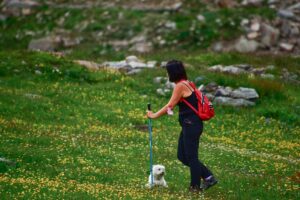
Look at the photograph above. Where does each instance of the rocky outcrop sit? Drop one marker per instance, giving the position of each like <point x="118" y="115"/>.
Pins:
<point x="19" y="7"/>
<point x="58" y="38"/>
<point x="219" y="95"/>
<point x="244" y="69"/>
<point x="228" y="96"/>
<point x="50" y="43"/>
<point x="279" y="35"/>
<point x="131" y="65"/>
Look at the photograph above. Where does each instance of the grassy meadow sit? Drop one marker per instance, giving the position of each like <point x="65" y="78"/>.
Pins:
<point x="77" y="134"/>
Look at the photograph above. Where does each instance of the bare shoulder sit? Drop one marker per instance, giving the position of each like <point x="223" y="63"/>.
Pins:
<point x="182" y="85"/>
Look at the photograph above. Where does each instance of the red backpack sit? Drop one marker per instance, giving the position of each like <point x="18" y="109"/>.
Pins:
<point x="205" y="108"/>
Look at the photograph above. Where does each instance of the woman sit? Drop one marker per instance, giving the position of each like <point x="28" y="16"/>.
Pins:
<point x="191" y="124"/>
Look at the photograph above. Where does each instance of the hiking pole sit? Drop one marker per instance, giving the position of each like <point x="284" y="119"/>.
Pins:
<point x="150" y="141"/>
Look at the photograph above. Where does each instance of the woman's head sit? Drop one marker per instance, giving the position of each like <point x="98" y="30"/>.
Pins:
<point x="176" y="71"/>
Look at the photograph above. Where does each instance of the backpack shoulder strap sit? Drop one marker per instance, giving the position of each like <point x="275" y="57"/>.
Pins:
<point x="188" y="86"/>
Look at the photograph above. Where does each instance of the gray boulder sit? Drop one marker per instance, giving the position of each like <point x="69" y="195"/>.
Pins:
<point x="270" y="35"/>
<point x="246" y="46"/>
<point x="216" y="68"/>
<point x="288" y="14"/>
<point x="50" y="43"/>
<point x="233" y="70"/>
<point x="223" y="91"/>
<point x="8" y="162"/>
<point x="88" y="64"/>
<point x="18" y="7"/>
<point x="227" y="101"/>
<point x="245" y="93"/>
<point x="160" y="79"/>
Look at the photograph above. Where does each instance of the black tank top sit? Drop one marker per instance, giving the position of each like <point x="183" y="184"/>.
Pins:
<point x="185" y="109"/>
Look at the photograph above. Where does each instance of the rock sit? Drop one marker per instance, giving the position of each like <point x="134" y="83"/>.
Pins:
<point x="159" y="79"/>
<point x="270" y="67"/>
<point x="170" y="85"/>
<point x="170" y="25"/>
<point x="246" y="46"/>
<point x="227" y="101"/>
<point x="286" y="46"/>
<point x="70" y="42"/>
<point x="160" y="92"/>
<point x="32" y="96"/>
<point x="137" y="65"/>
<point x="270" y="35"/>
<point x="9" y="162"/>
<point x="295" y="7"/>
<point x="200" y="18"/>
<point x="199" y="79"/>
<point x="19" y="7"/>
<point x="246" y="67"/>
<point x="20" y="3"/>
<point x="245" y="22"/>
<point x="225" y="3"/>
<point x="140" y="44"/>
<point x="50" y="43"/>
<point x="163" y="92"/>
<point x="267" y="76"/>
<point x="221" y="91"/>
<point x="142" y="47"/>
<point x="255" y="26"/>
<point x="295" y="32"/>
<point x="131" y="58"/>
<point x="285" y="28"/>
<point x="166" y="90"/>
<point x="252" y="35"/>
<point x="217" y="47"/>
<point x="130" y="65"/>
<point x="151" y="64"/>
<point x="210" y="96"/>
<point x="163" y="64"/>
<point x="116" y="64"/>
<point x="252" y="2"/>
<point x="245" y="93"/>
<point x="286" y="14"/>
<point x="134" y="71"/>
<point x="211" y="87"/>
<point x="88" y="64"/>
<point x="258" y="71"/>
<point x="164" y="6"/>
<point x="233" y="70"/>
<point x="119" y="44"/>
<point x="273" y="1"/>
<point x="176" y="6"/>
<point x="38" y="72"/>
<point x="216" y="68"/>
<point x="289" y="76"/>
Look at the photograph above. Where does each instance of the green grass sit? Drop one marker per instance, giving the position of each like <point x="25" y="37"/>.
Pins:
<point x="78" y="138"/>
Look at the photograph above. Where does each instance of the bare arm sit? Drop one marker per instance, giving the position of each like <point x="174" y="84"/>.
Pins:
<point x="176" y="95"/>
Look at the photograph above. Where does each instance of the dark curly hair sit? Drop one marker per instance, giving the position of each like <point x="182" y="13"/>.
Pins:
<point x="176" y="71"/>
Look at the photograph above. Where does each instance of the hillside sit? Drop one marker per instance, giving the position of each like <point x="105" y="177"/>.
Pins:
<point x="76" y="77"/>
<point x="106" y="28"/>
<point x="67" y="132"/>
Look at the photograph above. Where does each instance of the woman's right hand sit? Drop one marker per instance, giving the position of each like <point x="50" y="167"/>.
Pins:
<point x="150" y="114"/>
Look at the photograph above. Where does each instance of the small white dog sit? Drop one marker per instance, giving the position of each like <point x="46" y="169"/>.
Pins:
<point x="158" y="176"/>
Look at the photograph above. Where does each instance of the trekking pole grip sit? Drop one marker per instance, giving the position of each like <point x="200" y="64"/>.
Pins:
<point x="149" y="106"/>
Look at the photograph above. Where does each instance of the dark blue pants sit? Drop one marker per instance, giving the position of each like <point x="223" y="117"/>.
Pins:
<point x="188" y="146"/>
